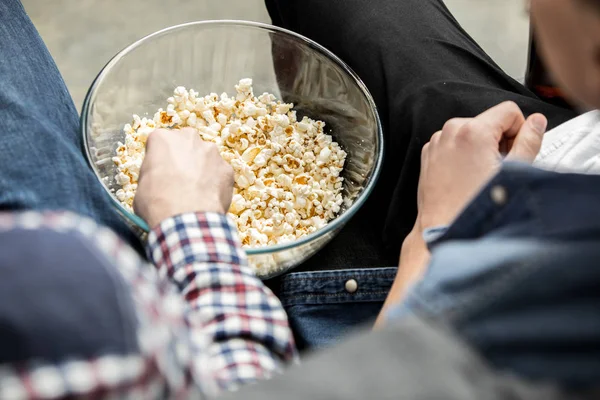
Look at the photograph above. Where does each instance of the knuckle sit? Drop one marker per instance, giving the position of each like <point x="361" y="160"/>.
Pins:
<point x="212" y="148"/>
<point x="425" y="151"/>
<point x="469" y="130"/>
<point x="155" y="135"/>
<point x="511" y="106"/>
<point x="225" y="166"/>
<point x="228" y="173"/>
<point x="205" y="147"/>
<point x="465" y="131"/>
<point x="161" y="132"/>
<point x="451" y="125"/>
<point x="189" y="131"/>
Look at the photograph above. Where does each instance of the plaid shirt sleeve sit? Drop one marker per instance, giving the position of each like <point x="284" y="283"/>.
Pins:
<point x="205" y="323"/>
<point x="242" y="328"/>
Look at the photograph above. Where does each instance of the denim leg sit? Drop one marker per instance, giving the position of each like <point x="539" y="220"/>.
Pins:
<point x="42" y="165"/>
<point x="324" y="307"/>
<point x="69" y="301"/>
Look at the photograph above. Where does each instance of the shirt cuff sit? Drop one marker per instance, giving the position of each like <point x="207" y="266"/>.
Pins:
<point x="195" y="238"/>
<point x="432" y="235"/>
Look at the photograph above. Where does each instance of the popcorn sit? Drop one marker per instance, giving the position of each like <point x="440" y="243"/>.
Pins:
<point x="287" y="172"/>
<point x="324" y="155"/>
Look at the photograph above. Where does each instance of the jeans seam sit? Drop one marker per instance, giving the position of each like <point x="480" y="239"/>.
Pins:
<point x="369" y="280"/>
<point x="312" y="296"/>
<point x="321" y="277"/>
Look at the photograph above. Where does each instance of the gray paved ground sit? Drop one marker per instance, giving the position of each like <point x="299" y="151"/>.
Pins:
<point x="83" y="35"/>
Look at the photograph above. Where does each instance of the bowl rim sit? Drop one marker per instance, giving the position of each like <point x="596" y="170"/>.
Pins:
<point x="337" y="222"/>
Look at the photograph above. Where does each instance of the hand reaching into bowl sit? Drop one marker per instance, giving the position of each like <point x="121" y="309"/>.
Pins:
<point x="181" y="173"/>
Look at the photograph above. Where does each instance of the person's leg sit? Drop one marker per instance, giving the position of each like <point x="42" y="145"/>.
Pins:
<point x="422" y="69"/>
<point x="65" y="299"/>
<point x="41" y="160"/>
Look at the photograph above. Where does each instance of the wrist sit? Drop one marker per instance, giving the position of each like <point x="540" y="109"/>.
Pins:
<point x="157" y="216"/>
<point x="417" y="231"/>
<point x="414" y="242"/>
<point x="413" y="261"/>
<point x="427" y="222"/>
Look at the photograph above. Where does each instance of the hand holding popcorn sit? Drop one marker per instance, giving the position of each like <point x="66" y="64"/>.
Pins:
<point x="181" y="173"/>
<point x="287" y="172"/>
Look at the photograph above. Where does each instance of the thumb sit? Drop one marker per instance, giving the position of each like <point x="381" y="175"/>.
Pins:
<point x="528" y="141"/>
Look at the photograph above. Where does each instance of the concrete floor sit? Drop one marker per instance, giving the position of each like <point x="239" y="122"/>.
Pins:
<point x="83" y="35"/>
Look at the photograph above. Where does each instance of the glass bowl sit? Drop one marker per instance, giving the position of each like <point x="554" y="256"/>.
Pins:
<point x="212" y="56"/>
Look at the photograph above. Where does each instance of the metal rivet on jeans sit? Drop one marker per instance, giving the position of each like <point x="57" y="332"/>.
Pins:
<point x="499" y="195"/>
<point x="351" y="286"/>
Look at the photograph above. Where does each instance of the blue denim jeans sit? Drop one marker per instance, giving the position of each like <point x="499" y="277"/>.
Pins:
<point x="323" y="307"/>
<point x="42" y="165"/>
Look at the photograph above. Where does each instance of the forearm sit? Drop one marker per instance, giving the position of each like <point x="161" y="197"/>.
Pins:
<point x="238" y="327"/>
<point x="414" y="257"/>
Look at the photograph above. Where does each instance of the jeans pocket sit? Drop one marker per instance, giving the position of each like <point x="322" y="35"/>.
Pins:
<point x="325" y="306"/>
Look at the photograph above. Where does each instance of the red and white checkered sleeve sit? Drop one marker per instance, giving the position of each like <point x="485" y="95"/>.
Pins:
<point x="239" y="329"/>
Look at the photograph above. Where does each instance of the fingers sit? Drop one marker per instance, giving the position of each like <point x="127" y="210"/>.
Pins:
<point x="188" y="131"/>
<point x="425" y="154"/>
<point x="454" y="124"/>
<point x="435" y="138"/>
<point x="503" y="121"/>
<point x="154" y="136"/>
<point x="423" y="172"/>
<point x="528" y="142"/>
